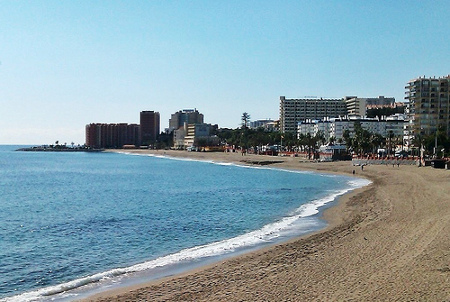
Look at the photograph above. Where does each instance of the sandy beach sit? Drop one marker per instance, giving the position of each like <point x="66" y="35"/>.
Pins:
<point x="389" y="241"/>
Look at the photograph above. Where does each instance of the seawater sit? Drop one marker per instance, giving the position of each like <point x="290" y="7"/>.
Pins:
<point x="76" y="223"/>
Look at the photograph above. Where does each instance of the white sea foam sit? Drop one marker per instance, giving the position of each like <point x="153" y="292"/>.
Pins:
<point x="313" y="207"/>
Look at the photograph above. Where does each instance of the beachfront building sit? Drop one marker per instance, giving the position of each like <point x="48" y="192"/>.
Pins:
<point x="100" y="135"/>
<point x="336" y="127"/>
<point x="118" y="135"/>
<point x="178" y="138"/>
<point x="188" y="116"/>
<point x="385" y="127"/>
<point x="358" y="106"/>
<point x="195" y="131"/>
<point x="293" y="111"/>
<point x="428" y="107"/>
<point x="149" y="122"/>
<point x="191" y="134"/>
<point x="372" y="125"/>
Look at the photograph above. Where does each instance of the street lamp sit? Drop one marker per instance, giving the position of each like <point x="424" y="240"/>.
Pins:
<point x="281" y="145"/>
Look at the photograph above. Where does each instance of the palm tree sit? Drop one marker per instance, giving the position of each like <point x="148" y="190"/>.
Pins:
<point x="332" y="140"/>
<point x="301" y="141"/>
<point x="347" y="139"/>
<point x="361" y="140"/>
<point x="390" y="137"/>
<point x="311" y="142"/>
<point x="376" y="140"/>
<point x="320" y="136"/>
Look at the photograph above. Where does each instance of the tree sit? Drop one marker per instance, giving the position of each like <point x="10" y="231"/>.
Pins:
<point x="165" y="140"/>
<point x="320" y="136"/>
<point x="361" y="140"/>
<point x="390" y="137"/>
<point x="376" y="140"/>
<point x="347" y="139"/>
<point x="245" y="119"/>
<point x="332" y="140"/>
<point x="311" y="142"/>
<point x="201" y="142"/>
<point x="429" y="142"/>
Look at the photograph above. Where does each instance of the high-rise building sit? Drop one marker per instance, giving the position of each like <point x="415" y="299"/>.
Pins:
<point x="149" y="122"/>
<point x="293" y="111"/>
<point x="188" y="116"/>
<point x="428" y="107"/>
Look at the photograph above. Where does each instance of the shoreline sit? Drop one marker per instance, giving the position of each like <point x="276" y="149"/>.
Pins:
<point x="313" y="266"/>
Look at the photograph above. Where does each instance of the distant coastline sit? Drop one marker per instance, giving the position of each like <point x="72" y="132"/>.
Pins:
<point x="60" y="148"/>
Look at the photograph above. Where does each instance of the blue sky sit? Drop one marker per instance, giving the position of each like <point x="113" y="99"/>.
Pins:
<point x="65" y="64"/>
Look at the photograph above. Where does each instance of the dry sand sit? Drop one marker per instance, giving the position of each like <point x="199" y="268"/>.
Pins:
<point x="387" y="242"/>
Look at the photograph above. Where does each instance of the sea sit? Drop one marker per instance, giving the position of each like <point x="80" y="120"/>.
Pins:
<point x="73" y="224"/>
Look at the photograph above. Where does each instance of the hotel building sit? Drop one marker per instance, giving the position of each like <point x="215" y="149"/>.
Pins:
<point x="293" y="111"/>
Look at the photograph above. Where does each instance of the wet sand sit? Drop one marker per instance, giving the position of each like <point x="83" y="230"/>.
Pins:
<point x="389" y="241"/>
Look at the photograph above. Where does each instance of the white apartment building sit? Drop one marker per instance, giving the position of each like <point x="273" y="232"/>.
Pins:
<point x="312" y="127"/>
<point x="337" y="126"/>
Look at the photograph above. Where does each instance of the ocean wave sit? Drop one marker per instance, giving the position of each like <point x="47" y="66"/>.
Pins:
<point x="313" y="207"/>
